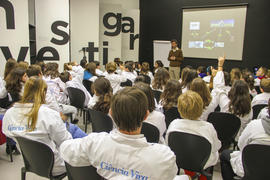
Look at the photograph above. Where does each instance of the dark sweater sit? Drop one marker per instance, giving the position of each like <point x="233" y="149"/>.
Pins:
<point x="178" y="58"/>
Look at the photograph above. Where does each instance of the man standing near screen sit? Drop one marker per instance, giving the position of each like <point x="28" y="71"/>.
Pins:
<point x="175" y="57"/>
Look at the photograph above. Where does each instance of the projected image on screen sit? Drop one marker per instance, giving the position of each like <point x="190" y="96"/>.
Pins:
<point x="212" y="32"/>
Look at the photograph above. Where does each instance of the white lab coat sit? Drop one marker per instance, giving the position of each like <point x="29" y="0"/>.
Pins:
<point x="121" y="156"/>
<point x="3" y="91"/>
<point x="254" y="133"/>
<point x="200" y="128"/>
<point x="262" y="98"/>
<point x="210" y="108"/>
<point x="79" y="70"/>
<point x="50" y="129"/>
<point x="93" y="101"/>
<point x="129" y="75"/>
<point x="115" y="80"/>
<point x="157" y="119"/>
<point x="99" y="72"/>
<point x="264" y="113"/>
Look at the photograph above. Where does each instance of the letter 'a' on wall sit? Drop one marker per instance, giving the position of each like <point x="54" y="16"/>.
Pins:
<point x="14" y="31"/>
<point x="52" y="31"/>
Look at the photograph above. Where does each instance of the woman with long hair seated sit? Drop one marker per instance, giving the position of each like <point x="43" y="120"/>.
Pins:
<point x="32" y="119"/>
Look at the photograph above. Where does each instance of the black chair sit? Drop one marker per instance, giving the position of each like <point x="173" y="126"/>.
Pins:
<point x="156" y="95"/>
<point x="257" y="109"/>
<point x="170" y="115"/>
<point x="38" y="158"/>
<point x="255" y="158"/>
<point x="101" y="122"/>
<point x="150" y="132"/>
<point x="126" y="83"/>
<point x="77" y="98"/>
<point x="82" y="173"/>
<point x="227" y="126"/>
<point x="192" y="152"/>
<point x="88" y="86"/>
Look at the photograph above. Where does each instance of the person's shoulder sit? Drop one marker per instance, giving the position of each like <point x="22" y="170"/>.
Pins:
<point x="160" y="150"/>
<point x="47" y="110"/>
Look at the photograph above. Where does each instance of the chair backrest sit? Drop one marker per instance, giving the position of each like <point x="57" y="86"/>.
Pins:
<point x="170" y="115"/>
<point x="257" y="109"/>
<point x="150" y="132"/>
<point x="157" y="95"/>
<point x="255" y="158"/>
<point x="76" y="97"/>
<point x="38" y="157"/>
<point x="82" y="173"/>
<point x="227" y="125"/>
<point x="88" y="85"/>
<point x="192" y="151"/>
<point x="101" y="122"/>
<point x="126" y="83"/>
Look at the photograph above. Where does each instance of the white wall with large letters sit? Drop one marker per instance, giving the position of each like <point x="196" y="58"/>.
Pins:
<point x="14" y="31"/>
<point x="52" y="31"/>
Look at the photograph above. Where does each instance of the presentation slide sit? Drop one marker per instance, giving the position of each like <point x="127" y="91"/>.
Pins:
<point x="213" y="32"/>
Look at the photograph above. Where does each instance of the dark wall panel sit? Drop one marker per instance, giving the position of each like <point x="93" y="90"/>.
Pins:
<point x="161" y="20"/>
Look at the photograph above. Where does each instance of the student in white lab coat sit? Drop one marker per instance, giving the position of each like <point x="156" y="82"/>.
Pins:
<point x="99" y="72"/>
<point x="145" y="70"/>
<point x="160" y="79"/>
<point x="265" y="95"/>
<point x="237" y="101"/>
<point x="155" y="118"/>
<point x="128" y="72"/>
<point x="123" y="153"/>
<point x="102" y="95"/>
<point x="189" y="76"/>
<point x="210" y="103"/>
<point x="256" y="132"/>
<point x="90" y="72"/>
<point x="75" y="83"/>
<point x="32" y="119"/>
<point x="190" y="107"/>
<point x="115" y="79"/>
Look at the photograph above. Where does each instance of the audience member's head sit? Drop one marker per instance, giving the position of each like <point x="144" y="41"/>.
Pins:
<point x="129" y="107"/>
<point x="51" y="70"/>
<point x="184" y="73"/>
<point x="265" y="85"/>
<point x="145" y="68"/>
<point x="161" y="78"/>
<point x="42" y="66"/>
<point x="97" y="64"/>
<point x="191" y="74"/>
<point x="235" y="74"/>
<point x="65" y="76"/>
<point x="158" y="64"/>
<point x="227" y="78"/>
<point x="34" y="70"/>
<point x="111" y="67"/>
<point x="199" y="86"/>
<point x="10" y="65"/>
<point x="102" y="88"/>
<point x="240" y="102"/>
<point x="23" y="64"/>
<point x="129" y="67"/>
<point x="190" y="105"/>
<point x="83" y="62"/>
<point x="149" y="94"/>
<point x="170" y="94"/>
<point x="91" y="68"/>
<point x="67" y="67"/>
<point x="143" y="78"/>
<point x="248" y="78"/>
<point x="34" y="92"/>
<point x="262" y="71"/>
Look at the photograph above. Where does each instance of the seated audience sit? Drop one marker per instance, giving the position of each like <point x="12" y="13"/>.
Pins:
<point x="145" y="70"/>
<point x="265" y="95"/>
<point x="90" y="72"/>
<point x="201" y="71"/>
<point x="160" y="79"/>
<point x="188" y="78"/>
<point x="123" y="153"/>
<point x="260" y="74"/>
<point x="128" y="72"/>
<point x="158" y="64"/>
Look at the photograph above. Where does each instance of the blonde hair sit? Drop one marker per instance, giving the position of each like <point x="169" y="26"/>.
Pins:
<point x="34" y="92"/>
<point x="190" y="105"/>
<point x="111" y="67"/>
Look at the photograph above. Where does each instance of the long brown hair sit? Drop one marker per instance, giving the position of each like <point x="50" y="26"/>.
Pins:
<point x="51" y="69"/>
<point x="103" y="89"/>
<point x="14" y="82"/>
<point x="10" y="65"/>
<point x="91" y="68"/>
<point x="145" y="68"/>
<point x="190" y="75"/>
<point x="149" y="94"/>
<point x="240" y="102"/>
<point x="199" y="86"/>
<point x="235" y="74"/>
<point x="34" y="92"/>
<point x="170" y="94"/>
<point x="160" y="79"/>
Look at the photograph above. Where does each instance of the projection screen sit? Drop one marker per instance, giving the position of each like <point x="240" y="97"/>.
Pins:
<point x="212" y="32"/>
